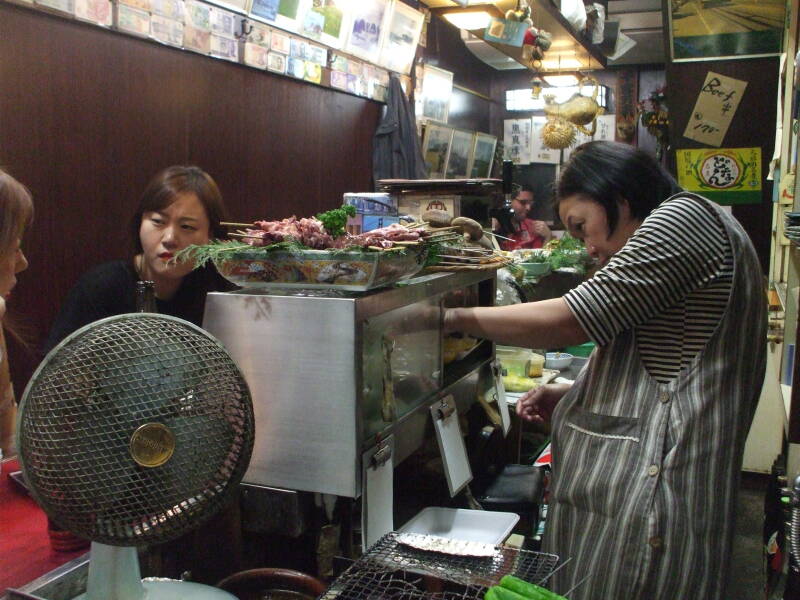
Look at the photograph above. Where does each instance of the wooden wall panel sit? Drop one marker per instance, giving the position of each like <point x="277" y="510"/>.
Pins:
<point x="87" y="116"/>
<point x="752" y="125"/>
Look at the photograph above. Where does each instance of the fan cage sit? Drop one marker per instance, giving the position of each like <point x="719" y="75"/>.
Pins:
<point x="90" y="395"/>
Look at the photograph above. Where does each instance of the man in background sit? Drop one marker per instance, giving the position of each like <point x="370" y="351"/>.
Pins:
<point x="524" y="232"/>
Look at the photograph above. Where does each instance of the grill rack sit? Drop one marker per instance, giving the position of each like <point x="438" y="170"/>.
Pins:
<point x="391" y="570"/>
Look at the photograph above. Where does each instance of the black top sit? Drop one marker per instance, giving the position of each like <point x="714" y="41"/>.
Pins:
<point x="110" y="289"/>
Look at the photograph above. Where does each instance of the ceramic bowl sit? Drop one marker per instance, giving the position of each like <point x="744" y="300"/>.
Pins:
<point x="557" y="360"/>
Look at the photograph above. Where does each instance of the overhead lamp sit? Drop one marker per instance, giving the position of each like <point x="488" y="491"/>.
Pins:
<point x="561" y="79"/>
<point x="469" y="18"/>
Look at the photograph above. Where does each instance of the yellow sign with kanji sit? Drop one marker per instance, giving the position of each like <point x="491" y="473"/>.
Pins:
<point x="725" y="175"/>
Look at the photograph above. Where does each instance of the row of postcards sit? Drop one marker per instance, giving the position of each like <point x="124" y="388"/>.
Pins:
<point x="219" y="33"/>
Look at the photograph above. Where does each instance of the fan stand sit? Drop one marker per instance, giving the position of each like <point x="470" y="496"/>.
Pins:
<point x="114" y="575"/>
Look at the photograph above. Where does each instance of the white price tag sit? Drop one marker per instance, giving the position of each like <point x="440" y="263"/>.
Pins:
<point x="500" y="397"/>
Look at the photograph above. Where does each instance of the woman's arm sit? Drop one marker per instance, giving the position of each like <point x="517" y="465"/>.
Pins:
<point x="545" y="324"/>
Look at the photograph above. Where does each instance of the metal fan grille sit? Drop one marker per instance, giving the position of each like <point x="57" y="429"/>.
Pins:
<point x="92" y="393"/>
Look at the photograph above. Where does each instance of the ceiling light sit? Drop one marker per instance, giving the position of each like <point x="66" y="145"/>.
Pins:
<point x="471" y="19"/>
<point x="561" y="80"/>
<point x="562" y="63"/>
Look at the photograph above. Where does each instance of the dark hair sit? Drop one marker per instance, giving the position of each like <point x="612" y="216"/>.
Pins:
<point x="608" y="172"/>
<point x="523" y="188"/>
<point x="165" y="188"/>
<point x="16" y="211"/>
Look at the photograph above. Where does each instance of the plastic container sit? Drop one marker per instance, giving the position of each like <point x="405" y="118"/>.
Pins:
<point x="488" y="527"/>
<point x="535" y="269"/>
<point x="515" y="361"/>
<point x="557" y="360"/>
<point x="535" y="365"/>
<point x="583" y="350"/>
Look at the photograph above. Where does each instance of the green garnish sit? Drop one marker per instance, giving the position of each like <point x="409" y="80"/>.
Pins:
<point x="334" y="221"/>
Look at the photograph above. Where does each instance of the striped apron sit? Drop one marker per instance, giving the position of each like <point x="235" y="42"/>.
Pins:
<point x="646" y="474"/>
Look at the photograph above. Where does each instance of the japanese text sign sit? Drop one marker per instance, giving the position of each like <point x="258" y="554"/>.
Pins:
<point x="713" y="112"/>
<point x="725" y="175"/>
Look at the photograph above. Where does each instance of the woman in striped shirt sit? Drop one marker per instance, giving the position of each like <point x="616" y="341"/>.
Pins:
<point x="648" y="441"/>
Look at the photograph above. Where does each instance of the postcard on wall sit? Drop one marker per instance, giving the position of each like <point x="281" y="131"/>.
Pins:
<point x="401" y="39"/>
<point x="289" y="12"/>
<point x="296" y="67"/>
<point x="317" y="54"/>
<point x="197" y="40"/>
<point x="437" y="88"/>
<point x="276" y="62"/>
<point x="725" y="175"/>
<point x="64" y="6"/>
<point x="99" y="12"/>
<point x="517" y="138"/>
<point x="259" y="34"/>
<point x="435" y="146"/>
<point x="255" y="55"/>
<point x="482" y="155"/>
<point x="457" y="164"/>
<point x="224" y="47"/>
<point x="280" y="42"/>
<point x="166" y="31"/>
<point x="140" y="4"/>
<point x="197" y="15"/>
<point x="352" y="83"/>
<point x="313" y="72"/>
<point x="298" y="48"/>
<point x="339" y="80"/>
<point x="133" y="20"/>
<point x="606" y="128"/>
<point x="327" y="22"/>
<point x="338" y="63"/>
<point x="223" y="23"/>
<point x="713" y="112"/>
<point x="366" y="29"/>
<point x="539" y="152"/>
<point x="171" y="9"/>
<point x="355" y="67"/>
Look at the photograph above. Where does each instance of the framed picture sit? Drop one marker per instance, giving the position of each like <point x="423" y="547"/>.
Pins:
<point x="482" y="155"/>
<point x="327" y="21"/>
<point x="435" y="147"/>
<point x="366" y="27"/>
<point x="714" y="29"/>
<point x="285" y="14"/>
<point x="457" y="163"/>
<point x="276" y="62"/>
<point x="403" y="29"/>
<point x="437" y="88"/>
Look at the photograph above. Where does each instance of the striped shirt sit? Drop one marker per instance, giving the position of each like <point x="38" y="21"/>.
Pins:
<point x="670" y="283"/>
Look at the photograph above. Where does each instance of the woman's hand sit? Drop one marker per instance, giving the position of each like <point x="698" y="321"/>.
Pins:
<point x="537" y="405"/>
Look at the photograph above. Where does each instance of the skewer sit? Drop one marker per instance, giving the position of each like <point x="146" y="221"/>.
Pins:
<point x="243" y="235"/>
<point x="237" y="224"/>
<point x="576" y="585"/>
<point x="551" y="573"/>
<point x="406" y="243"/>
<point x="497" y="235"/>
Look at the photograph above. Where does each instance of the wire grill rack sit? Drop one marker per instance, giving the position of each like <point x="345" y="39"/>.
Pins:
<point x="391" y="570"/>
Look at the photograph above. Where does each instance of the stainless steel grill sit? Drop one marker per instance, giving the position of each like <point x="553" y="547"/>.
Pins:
<point x="390" y="570"/>
<point x="100" y="385"/>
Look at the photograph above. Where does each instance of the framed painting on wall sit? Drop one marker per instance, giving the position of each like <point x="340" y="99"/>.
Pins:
<point x="367" y="23"/>
<point x="482" y="155"/>
<point x="435" y="147"/>
<point x="437" y="88"/>
<point x="403" y="29"/>
<point x="285" y="14"/>
<point x="714" y="29"/>
<point x="326" y="21"/>
<point x="458" y="157"/>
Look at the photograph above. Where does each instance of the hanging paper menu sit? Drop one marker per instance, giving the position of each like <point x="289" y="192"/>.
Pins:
<point x="713" y="112"/>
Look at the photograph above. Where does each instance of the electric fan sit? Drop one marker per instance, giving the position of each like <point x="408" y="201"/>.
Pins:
<point x="132" y="431"/>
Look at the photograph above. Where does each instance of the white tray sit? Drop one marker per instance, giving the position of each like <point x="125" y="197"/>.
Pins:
<point x="488" y="527"/>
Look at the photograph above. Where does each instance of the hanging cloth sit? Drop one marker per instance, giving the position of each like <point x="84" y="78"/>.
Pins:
<point x="396" y="150"/>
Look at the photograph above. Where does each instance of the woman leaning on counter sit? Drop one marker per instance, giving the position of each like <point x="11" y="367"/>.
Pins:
<point x="648" y="441"/>
<point x="180" y="206"/>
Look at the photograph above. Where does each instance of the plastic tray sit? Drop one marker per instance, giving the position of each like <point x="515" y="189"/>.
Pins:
<point x="488" y="527"/>
<point x="321" y="269"/>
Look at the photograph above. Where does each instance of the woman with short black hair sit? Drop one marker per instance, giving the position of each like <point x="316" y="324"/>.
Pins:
<point x="648" y="441"/>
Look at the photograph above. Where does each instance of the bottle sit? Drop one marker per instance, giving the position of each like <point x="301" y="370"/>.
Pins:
<point x="146" y="297"/>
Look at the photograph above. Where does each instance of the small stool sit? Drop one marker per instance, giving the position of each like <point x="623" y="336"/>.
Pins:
<point x="518" y="489"/>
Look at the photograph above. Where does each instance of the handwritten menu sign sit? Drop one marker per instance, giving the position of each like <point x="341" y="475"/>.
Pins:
<point x="713" y="112"/>
<point x="517" y="139"/>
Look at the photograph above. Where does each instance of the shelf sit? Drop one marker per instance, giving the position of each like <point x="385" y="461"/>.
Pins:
<point x="567" y="44"/>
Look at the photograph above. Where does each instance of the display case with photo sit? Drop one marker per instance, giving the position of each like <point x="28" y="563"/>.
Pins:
<point x="482" y="155"/>
<point x="368" y="18"/>
<point x="403" y="29"/>
<point x="435" y="147"/>
<point x="457" y="163"/>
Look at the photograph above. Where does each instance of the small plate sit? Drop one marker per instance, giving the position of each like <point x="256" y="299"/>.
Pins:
<point x="433" y="543"/>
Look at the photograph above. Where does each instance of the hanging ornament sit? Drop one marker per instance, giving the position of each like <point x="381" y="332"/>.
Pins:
<point x="579" y="110"/>
<point x="558" y="133"/>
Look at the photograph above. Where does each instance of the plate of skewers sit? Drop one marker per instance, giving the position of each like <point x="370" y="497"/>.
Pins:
<point x="318" y="252"/>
